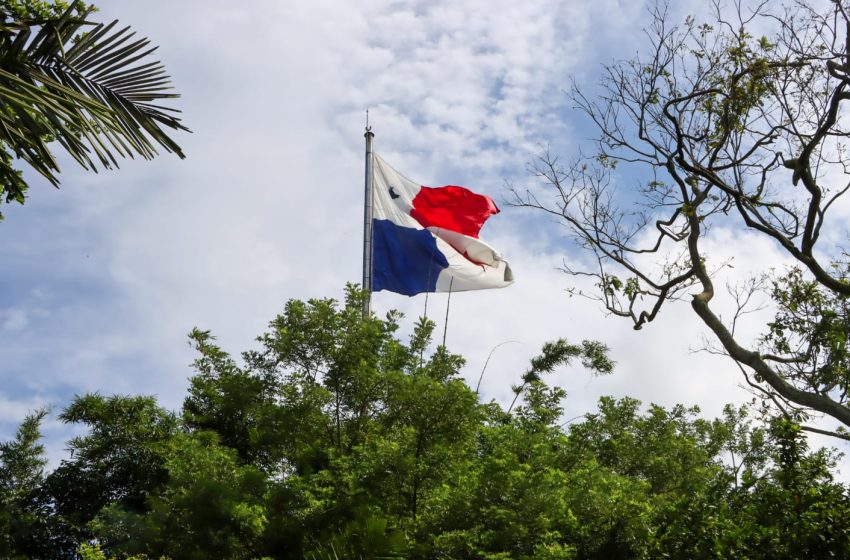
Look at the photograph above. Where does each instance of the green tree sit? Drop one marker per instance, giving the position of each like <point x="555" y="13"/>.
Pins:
<point x="118" y="463"/>
<point x="334" y="432"/>
<point x="92" y="88"/>
<point x="210" y="506"/>
<point x="335" y="439"/>
<point x="721" y="125"/>
<point x="22" y="463"/>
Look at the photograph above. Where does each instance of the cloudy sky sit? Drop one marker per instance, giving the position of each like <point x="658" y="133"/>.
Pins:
<point x="102" y="280"/>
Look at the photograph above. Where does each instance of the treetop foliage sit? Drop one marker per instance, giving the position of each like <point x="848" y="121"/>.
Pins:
<point x="335" y="439"/>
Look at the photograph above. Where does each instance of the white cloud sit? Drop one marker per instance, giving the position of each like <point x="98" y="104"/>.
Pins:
<point x="14" y="319"/>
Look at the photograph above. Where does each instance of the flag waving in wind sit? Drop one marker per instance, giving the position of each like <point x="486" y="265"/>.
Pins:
<point x="426" y="239"/>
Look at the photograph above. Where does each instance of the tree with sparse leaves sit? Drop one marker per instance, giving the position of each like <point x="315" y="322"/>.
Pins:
<point x="734" y="119"/>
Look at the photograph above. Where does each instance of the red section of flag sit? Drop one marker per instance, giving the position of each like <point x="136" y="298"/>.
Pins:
<point x="453" y="208"/>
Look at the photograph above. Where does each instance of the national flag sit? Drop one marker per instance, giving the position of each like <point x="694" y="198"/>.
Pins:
<point x="425" y="239"/>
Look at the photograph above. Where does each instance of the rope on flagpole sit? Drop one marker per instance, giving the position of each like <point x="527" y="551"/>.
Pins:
<point x="487" y="362"/>
<point x="448" y="303"/>
<point x="428" y="283"/>
<point x="425" y="311"/>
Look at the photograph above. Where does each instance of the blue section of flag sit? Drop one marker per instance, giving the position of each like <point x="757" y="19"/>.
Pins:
<point x="404" y="260"/>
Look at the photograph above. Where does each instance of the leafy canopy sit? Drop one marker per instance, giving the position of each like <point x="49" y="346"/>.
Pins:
<point x="336" y="439"/>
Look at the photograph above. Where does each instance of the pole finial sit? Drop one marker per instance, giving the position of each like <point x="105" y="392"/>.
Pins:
<point x="368" y="128"/>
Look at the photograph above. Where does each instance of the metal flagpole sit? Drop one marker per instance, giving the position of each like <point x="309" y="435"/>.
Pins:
<point x="367" y="223"/>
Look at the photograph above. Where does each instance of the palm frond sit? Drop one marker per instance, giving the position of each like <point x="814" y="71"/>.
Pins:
<point x="92" y="88"/>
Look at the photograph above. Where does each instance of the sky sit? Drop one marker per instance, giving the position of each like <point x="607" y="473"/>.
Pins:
<point x="103" y="279"/>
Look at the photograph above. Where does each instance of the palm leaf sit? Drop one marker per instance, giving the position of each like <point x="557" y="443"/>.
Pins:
<point x="92" y="88"/>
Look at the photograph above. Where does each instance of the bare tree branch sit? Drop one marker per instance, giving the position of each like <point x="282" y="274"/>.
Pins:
<point x="720" y="126"/>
